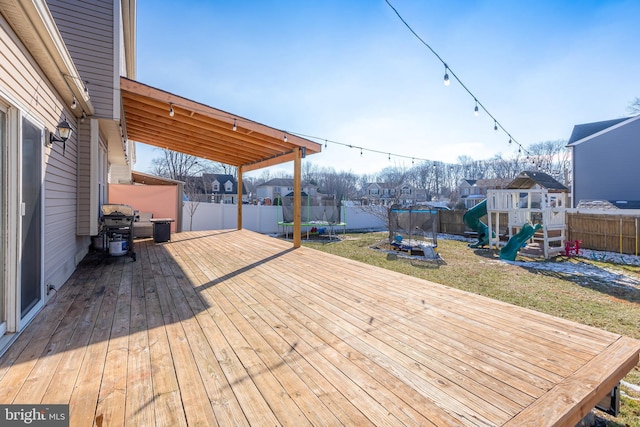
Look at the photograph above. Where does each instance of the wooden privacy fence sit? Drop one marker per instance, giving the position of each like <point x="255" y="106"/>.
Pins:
<point x="617" y="232"/>
<point x="451" y="222"/>
<point x="605" y="232"/>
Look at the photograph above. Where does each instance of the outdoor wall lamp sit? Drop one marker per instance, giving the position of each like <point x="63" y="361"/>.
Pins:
<point x="64" y="130"/>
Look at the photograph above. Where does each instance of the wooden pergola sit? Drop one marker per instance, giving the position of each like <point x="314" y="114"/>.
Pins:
<point x="165" y="120"/>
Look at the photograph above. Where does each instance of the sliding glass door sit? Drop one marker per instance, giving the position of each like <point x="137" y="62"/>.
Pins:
<point x="31" y="211"/>
<point x="3" y="222"/>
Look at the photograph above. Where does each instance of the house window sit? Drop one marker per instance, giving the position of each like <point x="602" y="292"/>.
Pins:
<point x="405" y="191"/>
<point x="216" y="186"/>
<point x="373" y="191"/>
<point x="228" y="186"/>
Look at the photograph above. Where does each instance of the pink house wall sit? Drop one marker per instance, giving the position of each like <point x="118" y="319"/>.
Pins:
<point x="161" y="200"/>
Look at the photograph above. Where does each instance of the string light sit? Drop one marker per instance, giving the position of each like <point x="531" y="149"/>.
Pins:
<point x="326" y="141"/>
<point x="495" y="126"/>
<point x="360" y="152"/>
<point x="171" y="112"/>
<point x="235" y="128"/>
<point x="476" y="112"/>
<point x="84" y="116"/>
<point x="74" y="104"/>
<point x="449" y="71"/>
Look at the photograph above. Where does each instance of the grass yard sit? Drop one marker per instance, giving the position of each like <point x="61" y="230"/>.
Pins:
<point x="560" y="288"/>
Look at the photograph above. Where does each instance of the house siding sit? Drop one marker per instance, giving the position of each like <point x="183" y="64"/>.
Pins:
<point x="87" y="28"/>
<point x="606" y="166"/>
<point x="87" y="206"/>
<point x="25" y="87"/>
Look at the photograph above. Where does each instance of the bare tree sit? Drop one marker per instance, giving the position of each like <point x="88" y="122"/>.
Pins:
<point x="340" y="185"/>
<point x="634" y="107"/>
<point x="552" y="157"/>
<point x="193" y="203"/>
<point x="472" y="169"/>
<point x="174" y="165"/>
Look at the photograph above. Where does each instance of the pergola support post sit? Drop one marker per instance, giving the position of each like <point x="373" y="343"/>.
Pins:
<point x="239" y="200"/>
<point x="297" y="197"/>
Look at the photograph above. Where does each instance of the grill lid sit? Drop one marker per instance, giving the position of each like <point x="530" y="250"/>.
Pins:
<point x="117" y="210"/>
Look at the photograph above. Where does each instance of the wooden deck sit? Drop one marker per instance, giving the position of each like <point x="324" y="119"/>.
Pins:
<point x="235" y="328"/>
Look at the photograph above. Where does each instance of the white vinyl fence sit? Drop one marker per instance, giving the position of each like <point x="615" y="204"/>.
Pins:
<point x="264" y="219"/>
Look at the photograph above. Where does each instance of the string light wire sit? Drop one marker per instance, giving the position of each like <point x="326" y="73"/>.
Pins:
<point x="449" y="71"/>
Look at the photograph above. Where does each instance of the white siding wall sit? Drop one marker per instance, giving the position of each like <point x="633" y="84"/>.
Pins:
<point x="24" y="86"/>
<point x="87" y="28"/>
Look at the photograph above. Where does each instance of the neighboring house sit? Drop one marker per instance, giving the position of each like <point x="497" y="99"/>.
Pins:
<point x="605" y="161"/>
<point x="268" y="192"/>
<point x="473" y="191"/>
<point x="224" y="188"/>
<point x="61" y="62"/>
<point x="214" y="188"/>
<point x="383" y="193"/>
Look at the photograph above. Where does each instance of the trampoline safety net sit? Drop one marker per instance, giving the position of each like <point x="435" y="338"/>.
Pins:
<point x="329" y="213"/>
<point x="414" y="223"/>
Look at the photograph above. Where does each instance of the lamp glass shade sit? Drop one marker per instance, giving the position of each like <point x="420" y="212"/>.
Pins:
<point x="64" y="130"/>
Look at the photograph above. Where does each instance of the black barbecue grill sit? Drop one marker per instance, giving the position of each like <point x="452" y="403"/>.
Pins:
<point x="117" y="228"/>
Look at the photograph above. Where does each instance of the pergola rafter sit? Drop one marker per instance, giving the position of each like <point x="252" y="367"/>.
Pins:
<point x="206" y="132"/>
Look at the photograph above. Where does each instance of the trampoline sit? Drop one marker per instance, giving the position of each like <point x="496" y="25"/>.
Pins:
<point x="318" y="217"/>
<point x="414" y="230"/>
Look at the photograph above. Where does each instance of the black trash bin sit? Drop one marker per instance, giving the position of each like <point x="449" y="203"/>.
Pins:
<point x="161" y="229"/>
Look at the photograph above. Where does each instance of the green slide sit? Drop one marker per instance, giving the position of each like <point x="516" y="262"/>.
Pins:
<point x="517" y="241"/>
<point x="472" y="220"/>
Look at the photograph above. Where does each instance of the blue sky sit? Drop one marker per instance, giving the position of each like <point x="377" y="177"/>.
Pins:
<point x="350" y="71"/>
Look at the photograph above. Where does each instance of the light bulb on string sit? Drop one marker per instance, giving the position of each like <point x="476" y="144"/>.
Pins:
<point x="360" y="152"/>
<point x="235" y="128"/>
<point x="476" y="111"/>
<point x="171" y="112"/>
<point x="74" y="104"/>
<point x="284" y="138"/>
<point x="325" y="143"/>
<point x="389" y="156"/>
<point x="447" y="82"/>
<point x="495" y="125"/>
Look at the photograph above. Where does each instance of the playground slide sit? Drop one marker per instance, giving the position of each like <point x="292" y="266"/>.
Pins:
<point x="472" y="220"/>
<point x="517" y="241"/>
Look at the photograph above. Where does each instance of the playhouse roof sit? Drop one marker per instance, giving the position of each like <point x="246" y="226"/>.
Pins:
<point x="529" y="179"/>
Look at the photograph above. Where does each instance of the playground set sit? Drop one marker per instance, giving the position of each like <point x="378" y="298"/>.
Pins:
<point x="413" y="230"/>
<point x="536" y="215"/>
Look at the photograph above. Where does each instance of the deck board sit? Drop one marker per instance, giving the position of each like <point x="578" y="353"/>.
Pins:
<point x="234" y="328"/>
